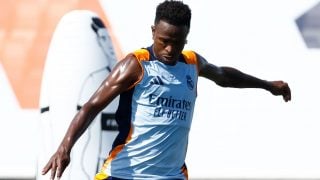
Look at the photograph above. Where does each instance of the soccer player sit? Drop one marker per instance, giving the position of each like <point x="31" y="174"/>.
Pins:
<point x="158" y="88"/>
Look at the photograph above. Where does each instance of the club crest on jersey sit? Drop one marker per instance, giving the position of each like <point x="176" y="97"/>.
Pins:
<point x="190" y="82"/>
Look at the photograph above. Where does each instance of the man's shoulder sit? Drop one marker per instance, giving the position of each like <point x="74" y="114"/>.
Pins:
<point x="190" y="56"/>
<point x="142" y="54"/>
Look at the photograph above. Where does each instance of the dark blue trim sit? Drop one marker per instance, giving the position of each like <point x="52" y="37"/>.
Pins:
<point x="123" y="117"/>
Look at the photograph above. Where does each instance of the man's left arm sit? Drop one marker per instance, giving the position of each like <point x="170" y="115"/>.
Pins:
<point x="231" y="77"/>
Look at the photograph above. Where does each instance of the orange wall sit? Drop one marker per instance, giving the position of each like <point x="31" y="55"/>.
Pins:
<point x="26" y="27"/>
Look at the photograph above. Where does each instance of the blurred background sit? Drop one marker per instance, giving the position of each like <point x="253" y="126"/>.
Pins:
<point x="236" y="133"/>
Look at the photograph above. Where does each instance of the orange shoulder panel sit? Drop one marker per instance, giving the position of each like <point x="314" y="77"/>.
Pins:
<point x="142" y="54"/>
<point x="190" y="57"/>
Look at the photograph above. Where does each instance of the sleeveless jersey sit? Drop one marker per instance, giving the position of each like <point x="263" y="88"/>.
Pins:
<point x="154" y="119"/>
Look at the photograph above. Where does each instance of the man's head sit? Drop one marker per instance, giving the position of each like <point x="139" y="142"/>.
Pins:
<point x="173" y="12"/>
<point x="170" y="30"/>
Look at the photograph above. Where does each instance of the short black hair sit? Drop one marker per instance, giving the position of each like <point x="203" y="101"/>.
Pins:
<point x="173" y="12"/>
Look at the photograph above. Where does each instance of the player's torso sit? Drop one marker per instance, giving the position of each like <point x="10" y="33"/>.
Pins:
<point x="161" y="112"/>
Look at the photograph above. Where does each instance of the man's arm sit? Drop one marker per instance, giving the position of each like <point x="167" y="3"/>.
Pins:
<point x="231" y="77"/>
<point x="124" y="75"/>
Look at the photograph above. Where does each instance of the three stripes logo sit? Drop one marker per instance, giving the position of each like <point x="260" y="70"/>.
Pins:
<point x="156" y="80"/>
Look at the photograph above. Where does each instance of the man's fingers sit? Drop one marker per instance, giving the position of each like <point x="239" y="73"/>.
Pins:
<point x="57" y="164"/>
<point x="53" y="170"/>
<point x="47" y="167"/>
<point x="283" y="89"/>
<point x="286" y="98"/>
<point x="60" y="169"/>
<point x="59" y="172"/>
<point x="286" y="93"/>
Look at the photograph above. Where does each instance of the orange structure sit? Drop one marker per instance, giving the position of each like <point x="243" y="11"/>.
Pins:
<point x="26" y="28"/>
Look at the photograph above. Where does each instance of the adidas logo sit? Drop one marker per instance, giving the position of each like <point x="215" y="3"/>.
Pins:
<point x="156" y="80"/>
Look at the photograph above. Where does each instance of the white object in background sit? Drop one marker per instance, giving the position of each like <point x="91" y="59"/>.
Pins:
<point x="80" y="57"/>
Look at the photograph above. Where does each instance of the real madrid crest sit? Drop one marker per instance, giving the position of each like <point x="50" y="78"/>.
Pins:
<point x="190" y="82"/>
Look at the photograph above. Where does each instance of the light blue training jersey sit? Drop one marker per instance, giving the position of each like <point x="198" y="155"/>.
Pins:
<point x="154" y="120"/>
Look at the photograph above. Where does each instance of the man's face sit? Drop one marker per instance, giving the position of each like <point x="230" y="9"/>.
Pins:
<point x="169" y="41"/>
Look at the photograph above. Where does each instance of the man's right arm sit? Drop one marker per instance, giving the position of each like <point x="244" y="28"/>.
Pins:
<point x="123" y="76"/>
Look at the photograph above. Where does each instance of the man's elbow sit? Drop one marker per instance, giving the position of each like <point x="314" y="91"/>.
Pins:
<point x="224" y="83"/>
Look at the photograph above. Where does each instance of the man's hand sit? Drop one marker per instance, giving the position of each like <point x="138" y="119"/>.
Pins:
<point x="57" y="163"/>
<point x="281" y="88"/>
